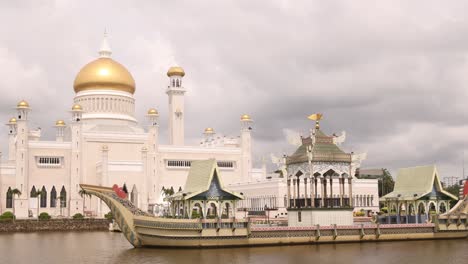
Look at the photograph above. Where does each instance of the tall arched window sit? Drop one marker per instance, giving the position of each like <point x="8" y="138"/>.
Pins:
<point x="33" y="193"/>
<point x="9" y="198"/>
<point x="53" y="197"/>
<point x="63" y="197"/>
<point x="43" y="197"/>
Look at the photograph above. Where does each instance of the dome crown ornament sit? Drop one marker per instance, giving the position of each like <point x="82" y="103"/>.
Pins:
<point x="12" y="121"/>
<point x="77" y="107"/>
<point x="245" y="117"/>
<point x="153" y="111"/>
<point x="209" y="130"/>
<point x="104" y="73"/>
<point x="60" y="123"/>
<point x="22" y="104"/>
<point x="176" y="71"/>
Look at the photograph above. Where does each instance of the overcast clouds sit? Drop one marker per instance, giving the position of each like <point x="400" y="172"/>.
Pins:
<point x="393" y="74"/>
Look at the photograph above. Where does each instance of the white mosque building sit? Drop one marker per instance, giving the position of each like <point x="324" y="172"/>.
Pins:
<point x="104" y="144"/>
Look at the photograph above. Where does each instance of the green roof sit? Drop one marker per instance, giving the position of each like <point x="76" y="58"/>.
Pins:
<point x="323" y="150"/>
<point x="201" y="175"/>
<point x="417" y="182"/>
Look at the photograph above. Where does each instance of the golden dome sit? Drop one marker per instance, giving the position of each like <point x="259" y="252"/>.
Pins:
<point x="60" y="123"/>
<point x="12" y="120"/>
<point x="245" y="118"/>
<point x="176" y="71"/>
<point x="22" y="104"/>
<point x="77" y="107"/>
<point x="103" y="74"/>
<point x="209" y="130"/>
<point x="152" y="111"/>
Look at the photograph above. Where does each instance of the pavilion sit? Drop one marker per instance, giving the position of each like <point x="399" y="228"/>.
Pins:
<point x="418" y="193"/>
<point x="204" y="194"/>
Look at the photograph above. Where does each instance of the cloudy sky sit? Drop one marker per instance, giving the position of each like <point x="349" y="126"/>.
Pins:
<point x="392" y="74"/>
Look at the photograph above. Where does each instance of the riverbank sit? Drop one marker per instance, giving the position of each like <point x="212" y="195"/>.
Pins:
<point x="32" y="225"/>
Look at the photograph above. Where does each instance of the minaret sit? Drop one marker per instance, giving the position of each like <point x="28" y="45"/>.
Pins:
<point x="246" y="147"/>
<point x="209" y="136"/>
<point x="60" y="128"/>
<point x="76" y="201"/>
<point x="22" y="159"/>
<point x="12" y="131"/>
<point x="151" y="180"/>
<point x="176" y="92"/>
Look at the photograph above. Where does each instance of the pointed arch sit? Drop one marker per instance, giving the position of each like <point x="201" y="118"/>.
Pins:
<point x="53" y="197"/>
<point x="9" y="198"/>
<point x="33" y="193"/>
<point x="43" y="197"/>
<point x="63" y="197"/>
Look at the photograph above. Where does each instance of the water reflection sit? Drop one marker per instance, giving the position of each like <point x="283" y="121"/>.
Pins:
<point x="104" y="247"/>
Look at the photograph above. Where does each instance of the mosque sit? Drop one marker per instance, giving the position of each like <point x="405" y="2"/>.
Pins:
<point x="104" y="144"/>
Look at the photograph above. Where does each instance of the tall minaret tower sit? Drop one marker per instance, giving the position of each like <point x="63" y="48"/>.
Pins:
<point x="151" y="180"/>
<point x="11" y="139"/>
<point x="246" y="147"/>
<point x="76" y="202"/>
<point x="176" y="92"/>
<point x="22" y="151"/>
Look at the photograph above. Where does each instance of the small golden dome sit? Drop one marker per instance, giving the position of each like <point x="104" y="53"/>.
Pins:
<point x="22" y="104"/>
<point x="209" y="130"/>
<point x="176" y="71"/>
<point x="245" y="118"/>
<point x="60" y="123"/>
<point x="104" y="74"/>
<point x="77" y="107"/>
<point x="152" y="111"/>
<point x="12" y="120"/>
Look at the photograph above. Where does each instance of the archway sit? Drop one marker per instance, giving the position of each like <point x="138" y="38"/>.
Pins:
<point x="421" y="213"/>
<point x="212" y="211"/>
<point x="197" y="211"/>
<point x="442" y="208"/>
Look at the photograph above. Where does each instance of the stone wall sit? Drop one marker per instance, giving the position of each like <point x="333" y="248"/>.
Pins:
<point x="30" y="225"/>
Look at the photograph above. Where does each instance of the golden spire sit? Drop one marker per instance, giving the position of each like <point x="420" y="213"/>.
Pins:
<point x="316" y="117"/>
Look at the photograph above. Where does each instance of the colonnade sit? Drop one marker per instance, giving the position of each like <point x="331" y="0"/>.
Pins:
<point x="304" y="191"/>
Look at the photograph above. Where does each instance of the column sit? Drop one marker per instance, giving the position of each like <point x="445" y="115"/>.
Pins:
<point x="305" y="192"/>
<point x="331" y="191"/>
<point x="324" y="190"/>
<point x="350" y="190"/>
<point x="340" y="181"/>
<point x="294" y="193"/>
<point x="288" y="202"/>
<point x="312" y="191"/>
<point x="298" y="192"/>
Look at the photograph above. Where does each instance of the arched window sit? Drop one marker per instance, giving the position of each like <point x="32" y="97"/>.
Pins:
<point x="43" y="197"/>
<point x="63" y="197"/>
<point x="9" y="198"/>
<point x="177" y="83"/>
<point x="173" y="82"/>
<point x="53" y="197"/>
<point x="33" y="193"/>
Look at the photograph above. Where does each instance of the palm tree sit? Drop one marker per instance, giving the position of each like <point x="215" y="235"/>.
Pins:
<point x="38" y="195"/>
<point x="83" y="195"/>
<point x="15" y="192"/>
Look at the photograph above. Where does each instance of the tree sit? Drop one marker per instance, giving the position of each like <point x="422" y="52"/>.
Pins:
<point x="83" y="193"/>
<point x="15" y="192"/>
<point x="38" y="195"/>
<point x="386" y="183"/>
<point x="455" y="190"/>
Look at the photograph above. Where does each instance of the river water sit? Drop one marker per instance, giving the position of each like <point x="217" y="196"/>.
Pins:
<point x="106" y="247"/>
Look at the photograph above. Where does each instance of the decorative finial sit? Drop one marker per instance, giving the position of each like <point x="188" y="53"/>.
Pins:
<point x="105" y="51"/>
<point x="316" y="117"/>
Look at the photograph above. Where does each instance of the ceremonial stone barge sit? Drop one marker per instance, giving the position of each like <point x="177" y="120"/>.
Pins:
<point x="144" y="230"/>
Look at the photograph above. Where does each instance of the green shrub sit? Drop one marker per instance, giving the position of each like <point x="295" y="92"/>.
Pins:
<point x="109" y="216"/>
<point x="44" y="216"/>
<point x="384" y="210"/>
<point x="7" y="216"/>
<point x="78" y="216"/>
<point x="195" y="214"/>
<point x="361" y="213"/>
